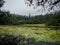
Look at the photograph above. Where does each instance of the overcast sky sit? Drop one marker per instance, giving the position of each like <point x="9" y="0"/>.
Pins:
<point x="19" y="7"/>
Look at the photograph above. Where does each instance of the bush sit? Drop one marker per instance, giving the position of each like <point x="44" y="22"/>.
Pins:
<point x="15" y="40"/>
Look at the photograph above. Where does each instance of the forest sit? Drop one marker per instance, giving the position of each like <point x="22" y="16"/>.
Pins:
<point x="6" y="18"/>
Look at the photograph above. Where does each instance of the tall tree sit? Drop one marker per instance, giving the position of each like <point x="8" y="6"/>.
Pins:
<point x="1" y="3"/>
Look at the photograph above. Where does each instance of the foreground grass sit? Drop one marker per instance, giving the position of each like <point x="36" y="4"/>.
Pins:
<point x="39" y="34"/>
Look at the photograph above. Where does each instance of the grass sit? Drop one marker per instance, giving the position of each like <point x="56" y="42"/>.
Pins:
<point x="40" y="34"/>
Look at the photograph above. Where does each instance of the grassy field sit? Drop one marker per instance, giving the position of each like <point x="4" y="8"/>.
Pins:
<point x="32" y="31"/>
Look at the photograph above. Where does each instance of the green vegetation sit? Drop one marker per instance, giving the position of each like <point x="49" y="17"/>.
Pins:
<point x="38" y="33"/>
<point x="6" y="18"/>
<point x="45" y="28"/>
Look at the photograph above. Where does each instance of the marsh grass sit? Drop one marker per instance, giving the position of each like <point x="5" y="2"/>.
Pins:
<point x="38" y="33"/>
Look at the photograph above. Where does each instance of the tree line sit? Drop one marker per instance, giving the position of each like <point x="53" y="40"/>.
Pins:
<point x="51" y="19"/>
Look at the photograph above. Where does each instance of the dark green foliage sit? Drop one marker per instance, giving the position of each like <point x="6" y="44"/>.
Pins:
<point x="13" y="19"/>
<point x="1" y="3"/>
<point x="54" y="20"/>
<point x="6" y="18"/>
<point x="15" y="40"/>
<point x="20" y="40"/>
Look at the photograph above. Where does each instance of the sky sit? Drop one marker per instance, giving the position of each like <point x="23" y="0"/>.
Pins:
<point x="19" y="7"/>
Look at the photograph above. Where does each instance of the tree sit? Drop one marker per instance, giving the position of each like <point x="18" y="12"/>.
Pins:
<point x="1" y="3"/>
<point x="51" y="3"/>
<point x="54" y="19"/>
